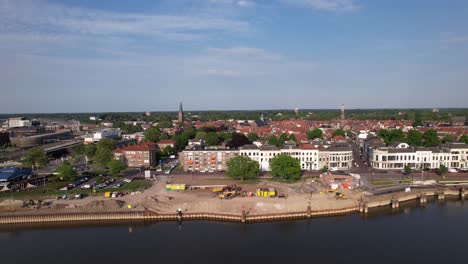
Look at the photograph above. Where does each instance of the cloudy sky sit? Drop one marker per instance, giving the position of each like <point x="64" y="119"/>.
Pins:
<point x="110" y="55"/>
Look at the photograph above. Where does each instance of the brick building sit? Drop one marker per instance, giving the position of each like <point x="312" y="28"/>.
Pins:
<point x="140" y="155"/>
<point x="210" y="159"/>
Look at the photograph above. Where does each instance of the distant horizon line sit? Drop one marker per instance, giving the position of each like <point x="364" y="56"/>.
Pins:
<point x="236" y="110"/>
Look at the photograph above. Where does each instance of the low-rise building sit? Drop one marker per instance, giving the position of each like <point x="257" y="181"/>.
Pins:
<point x="18" y="122"/>
<point x="12" y="175"/>
<point x="140" y="155"/>
<point x="104" y="133"/>
<point x="162" y="144"/>
<point x="307" y="154"/>
<point x="337" y="156"/>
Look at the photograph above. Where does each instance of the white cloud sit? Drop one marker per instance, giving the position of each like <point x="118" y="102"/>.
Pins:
<point x="219" y="72"/>
<point x="245" y="3"/>
<point x="456" y="39"/>
<point x="245" y="53"/>
<point x="327" y="5"/>
<point x="43" y="17"/>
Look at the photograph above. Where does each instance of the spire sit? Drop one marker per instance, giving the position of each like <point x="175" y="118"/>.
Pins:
<point x="181" y="113"/>
<point x="342" y="121"/>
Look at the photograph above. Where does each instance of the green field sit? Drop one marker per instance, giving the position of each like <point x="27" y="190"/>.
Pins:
<point x="382" y="183"/>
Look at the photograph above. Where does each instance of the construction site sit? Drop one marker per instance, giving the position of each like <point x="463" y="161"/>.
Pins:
<point x="203" y="193"/>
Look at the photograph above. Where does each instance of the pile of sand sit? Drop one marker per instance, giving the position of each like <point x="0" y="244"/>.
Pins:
<point x="105" y="205"/>
<point x="11" y="203"/>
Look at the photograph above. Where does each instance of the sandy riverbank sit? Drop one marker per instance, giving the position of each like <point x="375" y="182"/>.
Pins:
<point x="157" y="199"/>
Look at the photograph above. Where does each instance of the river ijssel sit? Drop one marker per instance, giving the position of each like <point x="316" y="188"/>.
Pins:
<point x="435" y="233"/>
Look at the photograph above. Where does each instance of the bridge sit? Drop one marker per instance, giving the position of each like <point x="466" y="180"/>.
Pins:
<point x="48" y="148"/>
<point x="62" y="145"/>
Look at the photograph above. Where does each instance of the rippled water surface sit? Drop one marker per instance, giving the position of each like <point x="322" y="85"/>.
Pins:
<point x="435" y="233"/>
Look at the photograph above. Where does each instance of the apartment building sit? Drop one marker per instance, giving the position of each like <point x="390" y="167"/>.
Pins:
<point x="140" y="155"/>
<point x="337" y="156"/>
<point x="307" y="154"/>
<point x="209" y="159"/>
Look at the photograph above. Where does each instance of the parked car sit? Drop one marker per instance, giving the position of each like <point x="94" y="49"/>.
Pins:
<point x="127" y="180"/>
<point x="87" y="186"/>
<point x="100" y="186"/>
<point x="118" y="184"/>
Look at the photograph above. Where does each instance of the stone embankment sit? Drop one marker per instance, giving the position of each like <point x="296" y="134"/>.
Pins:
<point x="392" y="200"/>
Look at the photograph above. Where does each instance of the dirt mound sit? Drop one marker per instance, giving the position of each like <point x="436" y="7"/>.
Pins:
<point x="105" y="205"/>
<point x="11" y="203"/>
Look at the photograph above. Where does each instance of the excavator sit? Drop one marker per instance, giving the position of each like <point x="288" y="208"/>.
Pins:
<point x="339" y="195"/>
<point x="228" y="195"/>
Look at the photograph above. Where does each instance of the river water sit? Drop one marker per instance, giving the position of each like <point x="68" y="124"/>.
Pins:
<point x="435" y="233"/>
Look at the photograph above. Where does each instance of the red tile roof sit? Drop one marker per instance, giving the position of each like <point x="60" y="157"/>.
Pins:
<point x="144" y="146"/>
<point x="308" y="146"/>
<point x="166" y="141"/>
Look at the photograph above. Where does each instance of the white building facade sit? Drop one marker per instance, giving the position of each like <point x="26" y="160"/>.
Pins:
<point x="18" y="122"/>
<point x="453" y="155"/>
<point x="311" y="158"/>
<point x="104" y="133"/>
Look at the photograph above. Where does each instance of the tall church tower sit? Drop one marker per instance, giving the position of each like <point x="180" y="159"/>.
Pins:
<point x="342" y="121"/>
<point x="181" y="113"/>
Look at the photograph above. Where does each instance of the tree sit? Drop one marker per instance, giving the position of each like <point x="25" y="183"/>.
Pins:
<point x="407" y="170"/>
<point x="431" y="139"/>
<point x="90" y="150"/>
<point x="103" y="156"/>
<point x="238" y="140"/>
<point x="116" y="166"/>
<point x="283" y="137"/>
<point x="108" y="143"/>
<point x="448" y="138"/>
<point x="324" y="169"/>
<point x="167" y="151"/>
<point x="272" y="140"/>
<point x="35" y="157"/>
<point x="414" y="138"/>
<point x="385" y="135"/>
<point x="339" y="132"/>
<point x="181" y="140"/>
<point x="417" y="120"/>
<point x="396" y="135"/>
<point x="79" y="150"/>
<point x="285" y="167"/>
<point x="208" y="129"/>
<point x="292" y="137"/>
<point x="252" y="137"/>
<point x="463" y="139"/>
<point x="389" y="137"/>
<point x="66" y="172"/>
<point x="165" y="124"/>
<point x="153" y="134"/>
<point x="442" y="170"/>
<point x="212" y="139"/>
<point x="313" y="134"/>
<point x="242" y="167"/>
<point x="189" y="132"/>
<point x="104" y="151"/>
<point x="201" y="135"/>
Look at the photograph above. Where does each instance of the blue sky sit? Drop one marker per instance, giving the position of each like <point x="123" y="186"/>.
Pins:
<point x="92" y="56"/>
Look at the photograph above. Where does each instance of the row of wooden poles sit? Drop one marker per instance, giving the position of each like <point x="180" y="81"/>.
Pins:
<point x="153" y="216"/>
